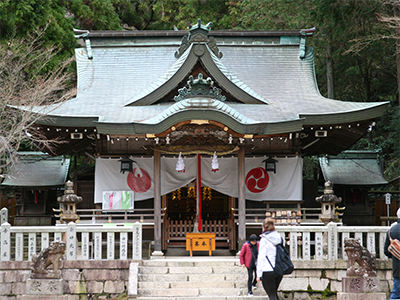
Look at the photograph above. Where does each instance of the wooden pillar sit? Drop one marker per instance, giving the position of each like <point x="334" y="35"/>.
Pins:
<point x="75" y="175"/>
<point x="242" y="199"/>
<point x="157" y="203"/>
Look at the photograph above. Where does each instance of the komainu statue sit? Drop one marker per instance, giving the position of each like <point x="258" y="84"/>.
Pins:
<point x="359" y="254"/>
<point x="49" y="256"/>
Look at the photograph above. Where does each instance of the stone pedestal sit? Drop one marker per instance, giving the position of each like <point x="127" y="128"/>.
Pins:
<point x="361" y="288"/>
<point x="360" y="284"/>
<point x="361" y="296"/>
<point x="43" y="287"/>
<point x="42" y="297"/>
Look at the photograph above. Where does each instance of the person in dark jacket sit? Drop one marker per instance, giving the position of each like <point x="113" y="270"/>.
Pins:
<point x="394" y="234"/>
<point x="248" y="259"/>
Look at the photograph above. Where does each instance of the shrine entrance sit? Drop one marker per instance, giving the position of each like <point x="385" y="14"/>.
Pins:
<point x="216" y="217"/>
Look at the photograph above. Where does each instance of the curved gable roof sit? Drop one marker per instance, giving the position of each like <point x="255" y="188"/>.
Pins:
<point x="120" y="88"/>
<point x="181" y="70"/>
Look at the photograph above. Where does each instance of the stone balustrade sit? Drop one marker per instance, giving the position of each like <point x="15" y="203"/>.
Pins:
<point x="326" y="242"/>
<point x="19" y="243"/>
<point x="111" y="241"/>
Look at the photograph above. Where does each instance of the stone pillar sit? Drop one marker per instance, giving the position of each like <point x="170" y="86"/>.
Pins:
<point x="5" y="241"/>
<point x="71" y="241"/>
<point x="4" y="215"/>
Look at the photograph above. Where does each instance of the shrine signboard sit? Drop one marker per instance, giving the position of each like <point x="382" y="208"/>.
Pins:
<point x="200" y="242"/>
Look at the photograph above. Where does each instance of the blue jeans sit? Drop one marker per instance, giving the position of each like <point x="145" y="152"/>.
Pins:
<point x="396" y="288"/>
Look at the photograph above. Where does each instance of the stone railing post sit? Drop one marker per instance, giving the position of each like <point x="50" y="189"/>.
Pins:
<point x="332" y="241"/>
<point x="19" y="246"/>
<point x="382" y="239"/>
<point x="71" y="241"/>
<point x="137" y="241"/>
<point x="293" y="245"/>
<point x="4" y="215"/>
<point x="5" y="241"/>
<point x="306" y="245"/>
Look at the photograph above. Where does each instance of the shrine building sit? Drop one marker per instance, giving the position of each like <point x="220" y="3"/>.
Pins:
<point x="200" y="125"/>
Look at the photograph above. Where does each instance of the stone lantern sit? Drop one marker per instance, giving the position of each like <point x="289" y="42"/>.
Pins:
<point x="68" y="203"/>
<point x="328" y="201"/>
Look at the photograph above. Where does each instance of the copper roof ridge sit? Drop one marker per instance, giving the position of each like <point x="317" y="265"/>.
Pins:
<point x="172" y="33"/>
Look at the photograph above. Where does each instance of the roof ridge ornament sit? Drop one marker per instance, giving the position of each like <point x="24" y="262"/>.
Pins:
<point x="199" y="86"/>
<point x="198" y="34"/>
<point x="304" y="33"/>
<point x="84" y="34"/>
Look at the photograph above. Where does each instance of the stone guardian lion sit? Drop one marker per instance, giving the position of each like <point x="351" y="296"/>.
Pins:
<point x="359" y="254"/>
<point x="49" y="256"/>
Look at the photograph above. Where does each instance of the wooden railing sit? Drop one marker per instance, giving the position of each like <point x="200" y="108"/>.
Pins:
<point x="178" y="228"/>
<point x="82" y="242"/>
<point x="142" y="215"/>
<point x="146" y="215"/>
<point x="257" y="215"/>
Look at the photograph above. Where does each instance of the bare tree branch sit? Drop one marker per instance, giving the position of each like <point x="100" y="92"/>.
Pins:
<point x="27" y="80"/>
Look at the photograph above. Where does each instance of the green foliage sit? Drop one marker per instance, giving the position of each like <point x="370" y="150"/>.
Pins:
<point x="180" y="13"/>
<point x="94" y="14"/>
<point x="136" y="14"/>
<point x="386" y="136"/>
<point x="18" y="18"/>
<point x="310" y="167"/>
<point x="268" y="14"/>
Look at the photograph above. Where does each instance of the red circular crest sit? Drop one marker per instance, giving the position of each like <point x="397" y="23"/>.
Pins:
<point x="257" y="180"/>
<point x="139" y="180"/>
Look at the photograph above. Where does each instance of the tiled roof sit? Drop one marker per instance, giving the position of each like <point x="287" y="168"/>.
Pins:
<point x="272" y="73"/>
<point x="36" y="169"/>
<point x="351" y="168"/>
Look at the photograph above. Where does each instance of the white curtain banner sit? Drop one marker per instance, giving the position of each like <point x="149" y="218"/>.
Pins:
<point x="285" y="184"/>
<point x="225" y="180"/>
<point x="108" y="178"/>
<point x="141" y="179"/>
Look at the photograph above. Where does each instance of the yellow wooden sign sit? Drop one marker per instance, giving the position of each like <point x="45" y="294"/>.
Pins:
<point x="200" y="242"/>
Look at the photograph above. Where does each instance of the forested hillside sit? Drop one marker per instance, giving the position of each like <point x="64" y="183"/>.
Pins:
<point x="357" y="44"/>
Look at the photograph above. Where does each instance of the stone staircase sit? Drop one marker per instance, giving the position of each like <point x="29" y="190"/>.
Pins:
<point x="180" y="278"/>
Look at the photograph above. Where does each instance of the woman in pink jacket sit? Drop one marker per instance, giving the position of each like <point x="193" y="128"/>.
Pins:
<point x="248" y="259"/>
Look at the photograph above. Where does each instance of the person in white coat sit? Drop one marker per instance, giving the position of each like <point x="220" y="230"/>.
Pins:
<point x="265" y="267"/>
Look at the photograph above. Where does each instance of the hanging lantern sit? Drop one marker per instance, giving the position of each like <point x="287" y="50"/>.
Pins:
<point x="126" y="164"/>
<point x="180" y="164"/>
<point x="214" y="163"/>
<point x="270" y="164"/>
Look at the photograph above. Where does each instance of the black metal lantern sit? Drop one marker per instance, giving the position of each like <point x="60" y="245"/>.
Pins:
<point x="270" y="164"/>
<point x="126" y="164"/>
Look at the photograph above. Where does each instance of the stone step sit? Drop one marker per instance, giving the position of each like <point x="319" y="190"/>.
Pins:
<point x="191" y="262"/>
<point x="185" y="269"/>
<point x="203" y="298"/>
<point x="182" y="290"/>
<point x="186" y="284"/>
<point x="194" y="278"/>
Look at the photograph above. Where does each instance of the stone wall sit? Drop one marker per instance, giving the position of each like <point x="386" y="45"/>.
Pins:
<point x="324" y="277"/>
<point x="81" y="278"/>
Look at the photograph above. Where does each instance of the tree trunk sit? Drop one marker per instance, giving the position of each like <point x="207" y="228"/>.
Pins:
<point x="329" y="70"/>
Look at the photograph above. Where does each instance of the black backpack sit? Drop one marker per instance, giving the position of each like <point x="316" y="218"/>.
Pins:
<point x="283" y="263"/>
